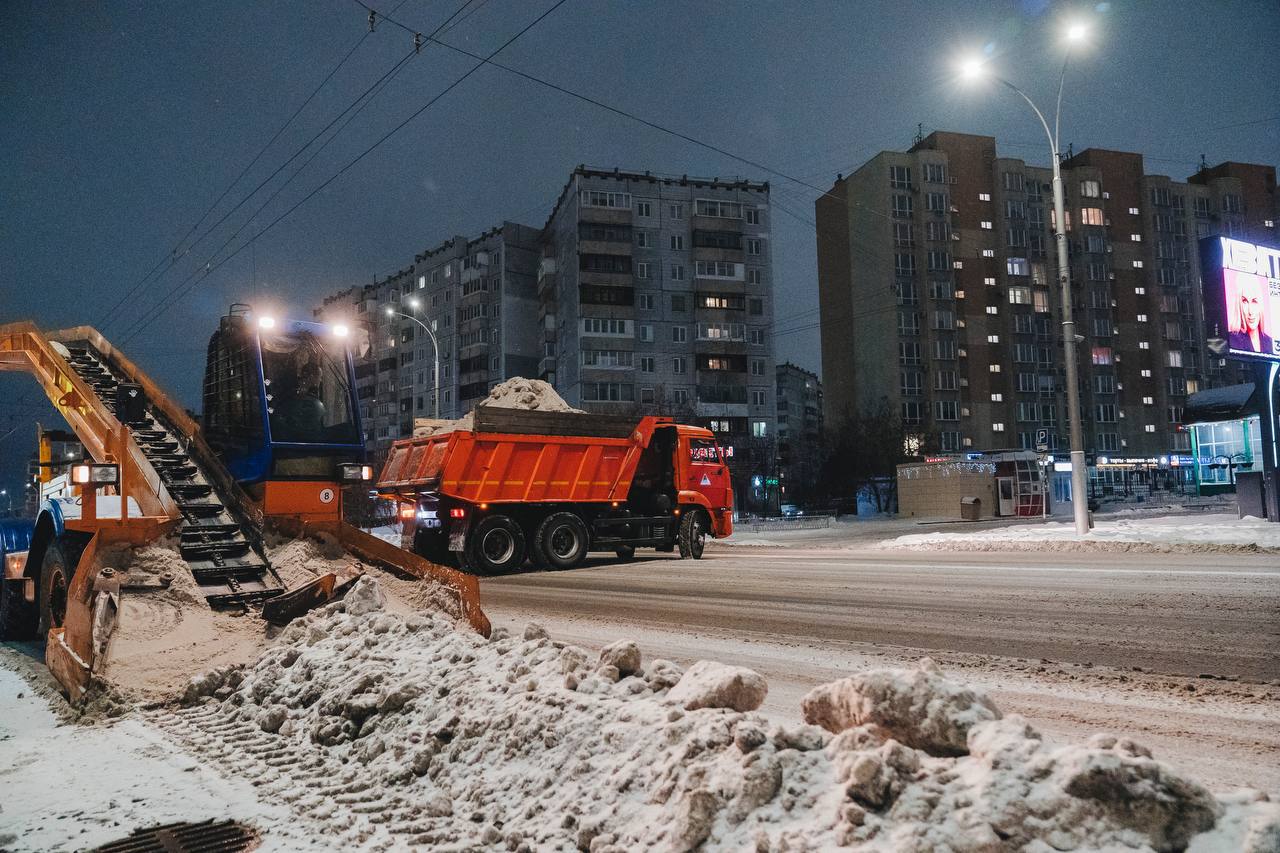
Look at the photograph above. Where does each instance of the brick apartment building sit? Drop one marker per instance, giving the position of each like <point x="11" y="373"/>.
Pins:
<point x="937" y="286"/>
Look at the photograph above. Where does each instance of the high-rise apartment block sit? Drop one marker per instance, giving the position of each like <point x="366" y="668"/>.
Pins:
<point x="642" y="294"/>
<point x="476" y="296"/>
<point x="938" y="292"/>
<point x="799" y="399"/>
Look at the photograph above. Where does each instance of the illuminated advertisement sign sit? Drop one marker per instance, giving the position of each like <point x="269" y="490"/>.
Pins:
<point x="1241" y="290"/>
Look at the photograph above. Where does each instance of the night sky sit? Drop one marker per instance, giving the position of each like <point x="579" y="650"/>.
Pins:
<point x="122" y="122"/>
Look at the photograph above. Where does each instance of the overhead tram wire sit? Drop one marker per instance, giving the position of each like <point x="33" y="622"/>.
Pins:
<point x="176" y="293"/>
<point x="167" y="300"/>
<point x="378" y="83"/>
<point x="178" y="252"/>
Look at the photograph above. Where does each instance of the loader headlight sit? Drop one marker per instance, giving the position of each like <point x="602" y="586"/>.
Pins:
<point x="355" y="471"/>
<point x="95" y="474"/>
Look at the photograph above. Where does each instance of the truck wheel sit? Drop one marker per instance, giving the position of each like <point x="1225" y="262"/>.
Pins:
<point x="693" y="534"/>
<point x="496" y="545"/>
<point x="18" y="619"/>
<point x="55" y="581"/>
<point x="625" y="552"/>
<point x="562" y="540"/>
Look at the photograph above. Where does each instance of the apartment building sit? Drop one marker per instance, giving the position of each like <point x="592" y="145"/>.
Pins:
<point x="477" y="296"/>
<point x="799" y="404"/>
<point x="655" y="296"/>
<point x="938" y="292"/>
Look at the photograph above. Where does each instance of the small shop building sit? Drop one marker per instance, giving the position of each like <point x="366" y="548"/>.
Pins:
<point x="976" y="485"/>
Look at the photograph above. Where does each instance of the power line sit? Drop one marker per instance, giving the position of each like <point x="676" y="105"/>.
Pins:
<point x="167" y="300"/>
<point x="174" y="253"/>
<point x="210" y="268"/>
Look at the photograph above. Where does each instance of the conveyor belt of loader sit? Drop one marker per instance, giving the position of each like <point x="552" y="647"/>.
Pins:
<point x="223" y="552"/>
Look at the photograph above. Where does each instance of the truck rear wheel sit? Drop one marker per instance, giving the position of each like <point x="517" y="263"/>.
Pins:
<point x="693" y="534"/>
<point x="562" y="540"/>
<point x="496" y="545"/>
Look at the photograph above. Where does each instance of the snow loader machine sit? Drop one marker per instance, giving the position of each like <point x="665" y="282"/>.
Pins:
<point x="279" y="438"/>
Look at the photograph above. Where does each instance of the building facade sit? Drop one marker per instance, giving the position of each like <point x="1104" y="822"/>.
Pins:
<point x="642" y="294"/>
<point x="938" y="292"/>
<point x="655" y="296"/>
<point x="477" y="296"/>
<point x="799" y="405"/>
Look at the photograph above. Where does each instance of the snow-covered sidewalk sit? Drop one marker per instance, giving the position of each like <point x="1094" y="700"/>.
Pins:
<point x="1180" y="533"/>
<point x="71" y="786"/>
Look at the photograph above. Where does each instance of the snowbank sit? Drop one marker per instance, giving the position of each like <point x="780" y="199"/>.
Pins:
<point x="386" y="731"/>
<point x="515" y="393"/>
<point x="1181" y="533"/>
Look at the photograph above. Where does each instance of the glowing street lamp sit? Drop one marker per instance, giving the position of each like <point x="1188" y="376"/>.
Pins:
<point x="414" y="304"/>
<point x="972" y="69"/>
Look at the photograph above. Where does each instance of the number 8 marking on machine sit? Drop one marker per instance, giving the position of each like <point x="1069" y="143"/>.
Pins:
<point x="326" y="496"/>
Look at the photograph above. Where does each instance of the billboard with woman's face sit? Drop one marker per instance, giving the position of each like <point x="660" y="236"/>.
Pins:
<point x="1241" y="289"/>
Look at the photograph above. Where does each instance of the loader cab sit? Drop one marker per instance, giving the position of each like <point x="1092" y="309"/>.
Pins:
<point x="279" y="398"/>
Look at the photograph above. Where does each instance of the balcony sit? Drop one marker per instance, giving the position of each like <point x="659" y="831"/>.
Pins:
<point x="716" y="223"/>
<point x="605" y="215"/>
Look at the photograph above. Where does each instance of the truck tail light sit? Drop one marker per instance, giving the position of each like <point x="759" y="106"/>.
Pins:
<point x="457" y="512"/>
<point x="407" y="512"/>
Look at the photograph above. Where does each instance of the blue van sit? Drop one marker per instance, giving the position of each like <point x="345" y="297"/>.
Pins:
<point x="15" y="610"/>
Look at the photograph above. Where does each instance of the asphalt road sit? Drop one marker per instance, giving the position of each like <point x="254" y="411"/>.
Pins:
<point x="1179" y="648"/>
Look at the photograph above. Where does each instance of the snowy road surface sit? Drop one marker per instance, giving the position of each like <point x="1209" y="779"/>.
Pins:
<point x="1077" y="642"/>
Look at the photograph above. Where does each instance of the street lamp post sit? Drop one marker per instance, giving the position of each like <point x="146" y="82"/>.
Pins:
<point x="1079" y="501"/>
<point x="435" y="347"/>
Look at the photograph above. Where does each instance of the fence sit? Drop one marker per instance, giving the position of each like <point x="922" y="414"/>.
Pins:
<point x="796" y="522"/>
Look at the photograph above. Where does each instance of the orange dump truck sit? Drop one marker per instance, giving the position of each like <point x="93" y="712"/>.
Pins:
<point x="550" y="487"/>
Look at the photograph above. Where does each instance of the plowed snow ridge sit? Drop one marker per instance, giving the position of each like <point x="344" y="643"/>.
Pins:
<point x="383" y="730"/>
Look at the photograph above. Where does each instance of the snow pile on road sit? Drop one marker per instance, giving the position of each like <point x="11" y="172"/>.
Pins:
<point x="387" y="731"/>
<point x="1173" y="533"/>
<point x="514" y="393"/>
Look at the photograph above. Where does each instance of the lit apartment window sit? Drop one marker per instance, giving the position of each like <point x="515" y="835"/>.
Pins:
<point x="1146" y="374"/>
<point x="422" y="282"/>
<point x="1091" y="216"/>
<point x="992" y="309"/>
<point x="1174" y="358"/>
<point x="997" y="427"/>
<point x="1150" y="427"/>
<point x="997" y="398"/>
<point x="988" y="253"/>
<point x="1137" y="238"/>
<point x="989" y="281"/>
<point x="993" y="339"/>
<point x="1133" y="211"/>
<point x="1137" y="265"/>
<point x="986" y="225"/>
<point x="1268" y="223"/>
<point x="1141" y="291"/>
<point x="984" y="196"/>
<point x="1090" y="189"/>
<point x="993" y="368"/>
<point x="1148" y="401"/>
<point x="1144" y="345"/>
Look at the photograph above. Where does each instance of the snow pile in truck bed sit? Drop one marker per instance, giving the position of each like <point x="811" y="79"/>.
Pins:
<point x="382" y="731"/>
<point x="515" y="393"/>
